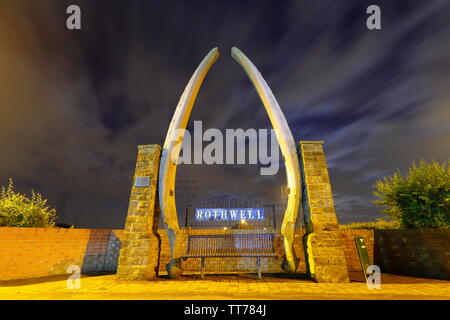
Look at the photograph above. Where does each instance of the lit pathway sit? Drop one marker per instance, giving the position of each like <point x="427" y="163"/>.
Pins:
<point x="223" y="287"/>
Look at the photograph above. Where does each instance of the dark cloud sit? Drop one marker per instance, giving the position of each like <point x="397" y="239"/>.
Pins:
<point x="74" y="105"/>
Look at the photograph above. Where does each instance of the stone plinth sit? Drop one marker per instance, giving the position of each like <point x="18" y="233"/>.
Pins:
<point x="139" y="254"/>
<point x="324" y="253"/>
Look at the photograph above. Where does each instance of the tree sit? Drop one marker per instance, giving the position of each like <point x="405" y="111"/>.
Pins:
<point x="17" y="210"/>
<point x="421" y="199"/>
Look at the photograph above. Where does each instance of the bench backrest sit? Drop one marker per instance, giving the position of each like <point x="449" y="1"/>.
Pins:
<point x="230" y="244"/>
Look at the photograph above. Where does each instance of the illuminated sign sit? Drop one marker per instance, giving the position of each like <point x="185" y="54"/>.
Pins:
<point x="232" y="214"/>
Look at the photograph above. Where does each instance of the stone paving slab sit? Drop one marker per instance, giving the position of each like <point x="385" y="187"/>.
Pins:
<point x="235" y="287"/>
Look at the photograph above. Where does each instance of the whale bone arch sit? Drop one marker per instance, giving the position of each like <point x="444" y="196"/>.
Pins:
<point x="288" y="149"/>
<point x="171" y="150"/>
<point x="172" y="147"/>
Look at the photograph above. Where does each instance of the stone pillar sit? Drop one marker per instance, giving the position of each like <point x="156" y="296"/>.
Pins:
<point x="324" y="253"/>
<point x="139" y="253"/>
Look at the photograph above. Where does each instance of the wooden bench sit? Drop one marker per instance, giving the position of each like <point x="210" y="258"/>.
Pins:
<point x="230" y="246"/>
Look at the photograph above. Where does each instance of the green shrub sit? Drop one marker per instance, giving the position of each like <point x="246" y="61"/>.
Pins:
<point x="17" y="210"/>
<point x="421" y="199"/>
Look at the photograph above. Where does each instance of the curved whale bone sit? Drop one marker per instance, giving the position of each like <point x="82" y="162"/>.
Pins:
<point x="169" y="156"/>
<point x="288" y="149"/>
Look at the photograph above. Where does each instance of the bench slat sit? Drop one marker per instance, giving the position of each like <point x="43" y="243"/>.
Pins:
<point x="239" y="244"/>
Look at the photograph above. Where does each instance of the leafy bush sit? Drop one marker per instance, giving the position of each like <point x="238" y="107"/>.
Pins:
<point x="379" y="224"/>
<point x="16" y="210"/>
<point x="421" y="199"/>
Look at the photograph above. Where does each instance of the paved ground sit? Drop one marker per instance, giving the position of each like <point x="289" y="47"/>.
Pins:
<point x="236" y="287"/>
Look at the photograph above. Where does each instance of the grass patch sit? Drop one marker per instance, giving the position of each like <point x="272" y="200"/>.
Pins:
<point x="379" y="224"/>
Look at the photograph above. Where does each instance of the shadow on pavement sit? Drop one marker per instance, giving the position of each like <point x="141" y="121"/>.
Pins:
<point x="25" y="282"/>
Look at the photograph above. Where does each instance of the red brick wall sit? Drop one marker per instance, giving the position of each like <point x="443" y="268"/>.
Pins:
<point x="38" y="252"/>
<point x="418" y="253"/>
<point x="350" y="251"/>
<point x="51" y="251"/>
<point x="421" y="253"/>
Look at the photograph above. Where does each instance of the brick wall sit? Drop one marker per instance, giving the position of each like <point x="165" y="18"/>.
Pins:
<point x="423" y="253"/>
<point x="50" y="251"/>
<point x="39" y="252"/>
<point x="420" y="253"/>
<point x="350" y="251"/>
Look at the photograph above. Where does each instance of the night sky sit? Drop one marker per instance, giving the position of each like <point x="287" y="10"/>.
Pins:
<point x="75" y="104"/>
